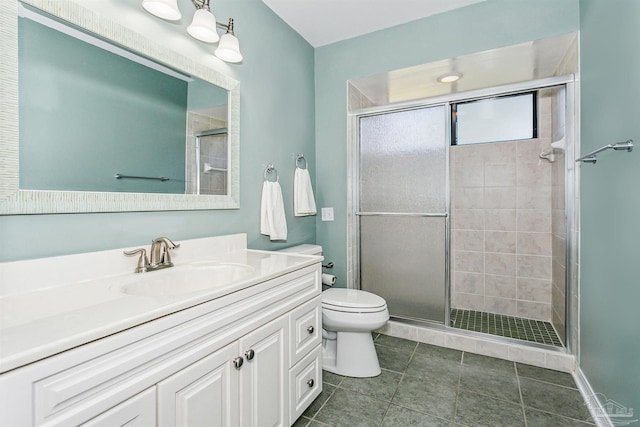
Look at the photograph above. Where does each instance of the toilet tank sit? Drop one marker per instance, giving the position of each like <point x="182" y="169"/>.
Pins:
<point x="305" y="249"/>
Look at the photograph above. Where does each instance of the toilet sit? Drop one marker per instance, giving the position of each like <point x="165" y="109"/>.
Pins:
<point x="348" y="318"/>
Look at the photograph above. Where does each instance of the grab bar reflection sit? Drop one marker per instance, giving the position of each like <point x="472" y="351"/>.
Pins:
<point x="591" y="157"/>
<point x="161" y="178"/>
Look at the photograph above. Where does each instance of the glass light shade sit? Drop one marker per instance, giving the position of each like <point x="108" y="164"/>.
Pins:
<point x="203" y="26"/>
<point x="229" y="48"/>
<point x="165" y="9"/>
<point x="450" y="77"/>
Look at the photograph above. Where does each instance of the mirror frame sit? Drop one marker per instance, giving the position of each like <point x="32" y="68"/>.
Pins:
<point x="15" y="201"/>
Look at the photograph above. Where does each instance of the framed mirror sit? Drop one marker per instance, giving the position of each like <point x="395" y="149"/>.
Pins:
<point x="96" y="118"/>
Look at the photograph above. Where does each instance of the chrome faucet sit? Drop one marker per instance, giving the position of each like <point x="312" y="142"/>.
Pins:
<point x="160" y="256"/>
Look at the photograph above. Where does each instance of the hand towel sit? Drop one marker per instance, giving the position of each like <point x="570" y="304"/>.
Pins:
<point x="303" y="201"/>
<point x="273" y="221"/>
<point x="265" y="208"/>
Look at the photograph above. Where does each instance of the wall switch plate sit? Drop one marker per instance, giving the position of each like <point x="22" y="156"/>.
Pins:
<point x="327" y="214"/>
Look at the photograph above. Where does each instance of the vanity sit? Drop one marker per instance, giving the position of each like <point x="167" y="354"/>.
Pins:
<point x="226" y="337"/>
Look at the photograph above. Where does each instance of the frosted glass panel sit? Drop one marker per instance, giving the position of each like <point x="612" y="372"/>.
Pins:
<point x="403" y="261"/>
<point x="403" y="170"/>
<point x="498" y="119"/>
<point x="402" y="167"/>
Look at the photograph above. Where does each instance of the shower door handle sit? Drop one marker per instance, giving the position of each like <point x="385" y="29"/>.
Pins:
<point x="413" y="214"/>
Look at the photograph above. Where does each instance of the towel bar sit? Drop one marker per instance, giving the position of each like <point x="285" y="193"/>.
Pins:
<point x="412" y="214"/>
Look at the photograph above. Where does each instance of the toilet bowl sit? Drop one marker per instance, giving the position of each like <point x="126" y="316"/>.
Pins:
<point x="348" y="318"/>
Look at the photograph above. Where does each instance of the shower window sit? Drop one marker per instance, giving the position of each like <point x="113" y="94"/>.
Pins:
<point x="504" y="118"/>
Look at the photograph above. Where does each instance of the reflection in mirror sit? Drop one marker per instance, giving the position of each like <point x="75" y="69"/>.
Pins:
<point x="95" y="117"/>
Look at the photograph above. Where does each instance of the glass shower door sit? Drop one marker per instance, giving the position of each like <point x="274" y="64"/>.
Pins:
<point x="402" y="211"/>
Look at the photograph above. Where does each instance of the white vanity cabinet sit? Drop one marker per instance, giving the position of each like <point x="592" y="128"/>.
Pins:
<point x="225" y="389"/>
<point x="249" y="358"/>
<point x="138" y="411"/>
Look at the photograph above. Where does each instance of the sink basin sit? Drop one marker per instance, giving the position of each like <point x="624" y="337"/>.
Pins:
<point x="184" y="280"/>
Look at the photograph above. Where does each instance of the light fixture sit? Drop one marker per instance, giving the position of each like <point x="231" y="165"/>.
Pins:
<point x="450" y="77"/>
<point x="229" y="47"/>
<point x="203" y="26"/>
<point x="165" y="9"/>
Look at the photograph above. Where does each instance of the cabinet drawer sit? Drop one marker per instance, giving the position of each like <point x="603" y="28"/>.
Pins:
<point x="305" y="326"/>
<point x="305" y="382"/>
<point x="139" y="411"/>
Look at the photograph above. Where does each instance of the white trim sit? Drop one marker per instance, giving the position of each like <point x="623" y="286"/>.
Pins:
<point x="598" y="413"/>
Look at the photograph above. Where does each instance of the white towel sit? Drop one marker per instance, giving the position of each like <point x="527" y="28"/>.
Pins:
<point x="273" y="221"/>
<point x="303" y="201"/>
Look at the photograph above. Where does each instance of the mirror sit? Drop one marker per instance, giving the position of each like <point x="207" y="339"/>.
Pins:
<point x="117" y="131"/>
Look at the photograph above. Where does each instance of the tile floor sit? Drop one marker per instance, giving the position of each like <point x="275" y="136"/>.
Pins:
<point x="424" y="385"/>
<point x="505" y="326"/>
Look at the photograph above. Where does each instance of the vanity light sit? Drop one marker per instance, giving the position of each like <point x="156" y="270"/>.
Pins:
<point x="203" y="26"/>
<point x="450" y="77"/>
<point x="165" y="9"/>
<point x="229" y="48"/>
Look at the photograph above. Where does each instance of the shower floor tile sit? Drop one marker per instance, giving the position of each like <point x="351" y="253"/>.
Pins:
<point x="505" y="326"/>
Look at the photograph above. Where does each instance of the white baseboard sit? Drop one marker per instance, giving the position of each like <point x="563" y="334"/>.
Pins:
<point x="599" y="415"/>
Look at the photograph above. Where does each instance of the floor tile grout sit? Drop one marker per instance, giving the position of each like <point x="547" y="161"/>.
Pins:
<point x="473" y="386"/>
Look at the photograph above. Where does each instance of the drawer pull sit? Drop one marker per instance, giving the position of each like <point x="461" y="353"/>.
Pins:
<point x="310" y="329"/>
<point x="237" y="362"/>
<point x="249" y="354"/>
<point x="311" y="382"/>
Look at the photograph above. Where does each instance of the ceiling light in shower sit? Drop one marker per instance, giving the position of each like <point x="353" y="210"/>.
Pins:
<point x="450" y="77"/>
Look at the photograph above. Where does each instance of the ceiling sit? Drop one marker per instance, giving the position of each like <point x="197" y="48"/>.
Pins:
<point x="323" y="22"/>
<point x="522" y="62"/>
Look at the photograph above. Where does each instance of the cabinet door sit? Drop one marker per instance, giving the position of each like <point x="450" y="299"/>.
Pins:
<point x="138" y="411"/>
<point x="263" y="377"/>
<point x="204" y="394"/>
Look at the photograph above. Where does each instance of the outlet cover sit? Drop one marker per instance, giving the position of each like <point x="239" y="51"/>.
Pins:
<point x="327" y="214"/>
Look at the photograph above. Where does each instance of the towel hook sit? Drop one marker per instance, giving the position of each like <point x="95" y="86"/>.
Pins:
<point x="270" y="168"/>
<point x="300" y="157"/>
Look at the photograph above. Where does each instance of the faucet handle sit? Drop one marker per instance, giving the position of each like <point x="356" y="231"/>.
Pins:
<point x="143" y="261"/>
<point x="166" y="241"/>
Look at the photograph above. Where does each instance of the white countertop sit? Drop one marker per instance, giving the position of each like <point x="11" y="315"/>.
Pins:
<point x="58" y="314"/>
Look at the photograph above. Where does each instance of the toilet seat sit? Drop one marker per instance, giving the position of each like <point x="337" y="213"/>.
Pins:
<point x="352" y="301"/>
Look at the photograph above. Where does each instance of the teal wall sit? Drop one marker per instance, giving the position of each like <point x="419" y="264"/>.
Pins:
<point x="487" y="25"/>
<point x="277" y="121"/>
<point x="87" y="114"/>
<point x="202" y="94"/>
<point x="610" y="199"/>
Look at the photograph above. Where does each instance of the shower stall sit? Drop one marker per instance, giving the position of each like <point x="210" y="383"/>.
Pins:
<point x="471" y="236"/>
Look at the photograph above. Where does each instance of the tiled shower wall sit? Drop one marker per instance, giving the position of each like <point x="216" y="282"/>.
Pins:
<point x="501" y="242"/>
<point x="197" y="122"/>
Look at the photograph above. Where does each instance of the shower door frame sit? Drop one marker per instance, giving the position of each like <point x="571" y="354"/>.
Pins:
<point x="571" y="207"/>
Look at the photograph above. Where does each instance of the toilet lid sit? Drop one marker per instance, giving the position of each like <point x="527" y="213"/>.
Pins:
<point x="352" y="300"/>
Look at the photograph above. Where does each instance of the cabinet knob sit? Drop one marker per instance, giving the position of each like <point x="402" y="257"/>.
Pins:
<point x="237" y="362"/>
<point x="311" y="382"/>
<point x="310" y="329"/>
<point x="249" y="354"/>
